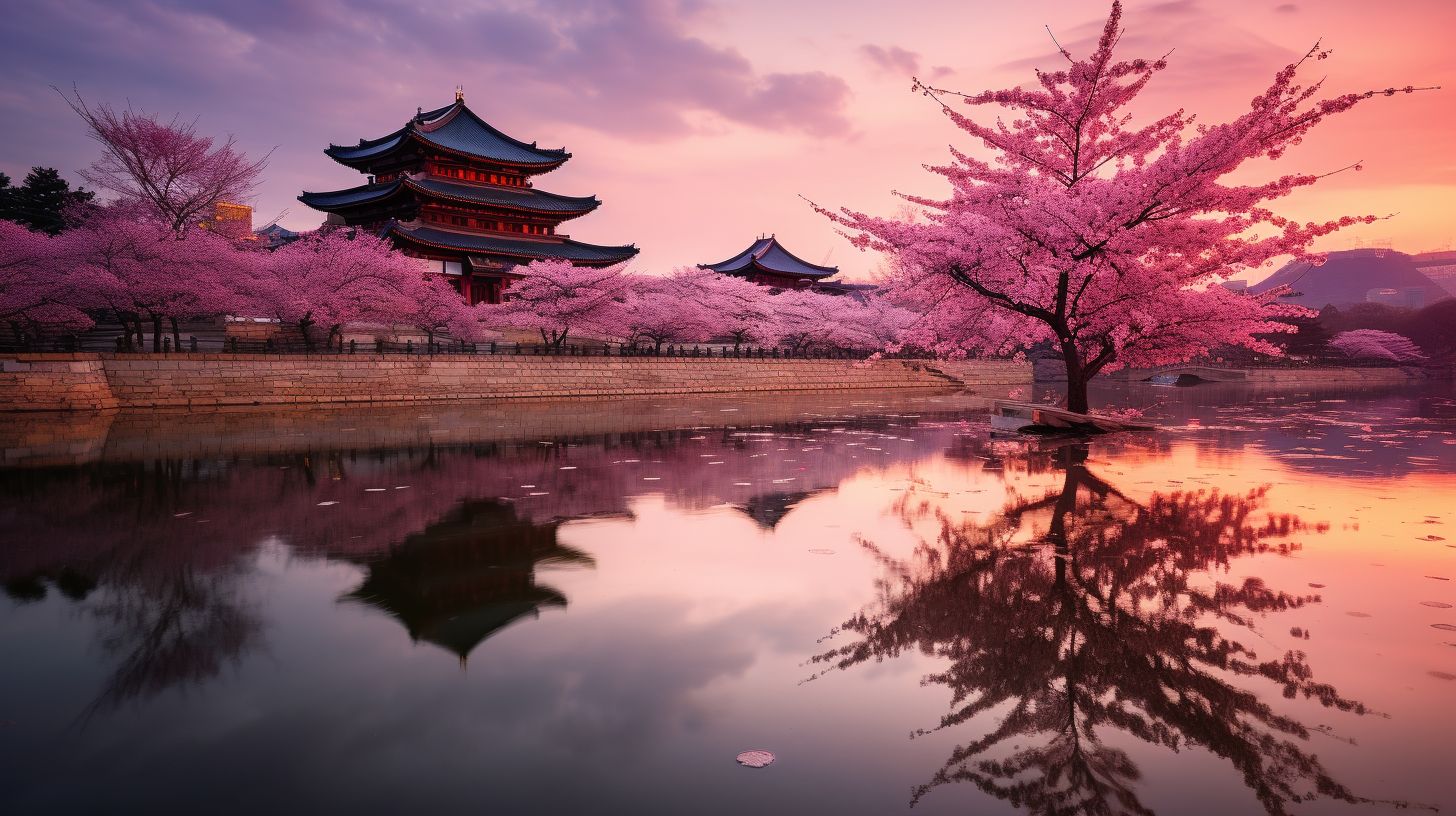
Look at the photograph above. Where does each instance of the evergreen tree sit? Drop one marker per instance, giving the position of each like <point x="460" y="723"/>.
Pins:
<point x="42" y="201"/>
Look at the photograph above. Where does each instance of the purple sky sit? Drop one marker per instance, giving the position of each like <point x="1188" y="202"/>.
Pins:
<point x="698" y="123"/>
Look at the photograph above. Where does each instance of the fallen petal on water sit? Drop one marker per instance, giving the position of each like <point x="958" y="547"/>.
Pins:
<point x="1436" y="604"/>
<point x="756" y="759"/>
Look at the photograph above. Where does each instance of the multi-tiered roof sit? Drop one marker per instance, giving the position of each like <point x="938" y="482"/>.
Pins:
<point x="451" y="189"/>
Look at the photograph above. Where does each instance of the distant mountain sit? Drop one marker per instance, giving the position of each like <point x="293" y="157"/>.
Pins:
<point x="1348" y="277"/>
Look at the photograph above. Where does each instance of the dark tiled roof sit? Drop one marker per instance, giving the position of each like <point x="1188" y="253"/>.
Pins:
<point x="768" y="255"/>
<point x="560" y="249"/>
<point x="454" y="128"/>
<point x="521" y="198"/>
<point x="339" y="199"/>
<point x="518" y="198"/>
<point x="844" y="288"/>
<point x="365" y="150"/>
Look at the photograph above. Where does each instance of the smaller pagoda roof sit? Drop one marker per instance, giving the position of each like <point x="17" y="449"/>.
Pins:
<point x="768" y="255"/>
<point x="454" y="129"/>
<point x="515" y="198"/>
<point x="844" y="288"/>
<point x="525" y="248"/>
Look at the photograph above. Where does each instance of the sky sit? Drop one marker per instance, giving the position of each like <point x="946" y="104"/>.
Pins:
<point x="703" y="124"/>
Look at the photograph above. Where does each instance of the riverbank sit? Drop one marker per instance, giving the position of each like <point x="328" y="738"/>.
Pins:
<point x="92" y="382"/>
<point x="36" y="439"/>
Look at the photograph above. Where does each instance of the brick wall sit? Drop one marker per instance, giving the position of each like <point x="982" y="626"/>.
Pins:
<point x="54" y="382"/>
<point x="40" y="382"/>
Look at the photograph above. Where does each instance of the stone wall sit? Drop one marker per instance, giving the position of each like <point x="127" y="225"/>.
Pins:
<point x="47" y="382"/>
<point x="1051" y="371"/>
<point x="54" y="382"/>
<point x="45" y="439"/>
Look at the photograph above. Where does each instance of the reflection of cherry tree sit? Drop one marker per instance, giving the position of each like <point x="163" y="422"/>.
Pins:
<point x="1112" y="620"/>
<point x="175" y="629"/>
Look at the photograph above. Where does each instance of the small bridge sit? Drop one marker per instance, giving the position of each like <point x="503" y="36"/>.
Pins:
<point x="1187" y="374"/>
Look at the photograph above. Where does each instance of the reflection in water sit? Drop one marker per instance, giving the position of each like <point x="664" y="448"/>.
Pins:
<point x="1110" y="619"/>
<point x="467" y="576"/>
<point x="233" y="590"/>
<point x="169" y="630"/>
<point x="449" y="536"/>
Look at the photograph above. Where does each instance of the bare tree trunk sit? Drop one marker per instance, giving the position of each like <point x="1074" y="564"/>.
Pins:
<point x="176" y="335"/>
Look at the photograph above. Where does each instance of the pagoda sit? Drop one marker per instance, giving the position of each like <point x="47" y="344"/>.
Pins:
<point x="455" y="192"/>
<point x="767" y="263"/>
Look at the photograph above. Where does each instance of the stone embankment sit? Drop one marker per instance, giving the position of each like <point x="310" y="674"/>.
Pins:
<point x="1052" y="371"/>
<point x="70" y="382"/>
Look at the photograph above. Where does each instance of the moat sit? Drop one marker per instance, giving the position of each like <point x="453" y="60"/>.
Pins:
<point x="594" y="607"/>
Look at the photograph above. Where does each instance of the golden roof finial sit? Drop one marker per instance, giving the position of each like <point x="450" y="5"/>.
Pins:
<point x="459" y="93"/>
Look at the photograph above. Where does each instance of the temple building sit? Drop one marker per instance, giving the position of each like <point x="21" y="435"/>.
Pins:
<point x="766" y="262"/>
<point x="455" y="192"/>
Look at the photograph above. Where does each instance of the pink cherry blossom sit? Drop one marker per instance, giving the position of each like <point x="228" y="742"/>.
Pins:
<point x="165" y="167"/>
<point x="327" y="280"/>
<point x="40" y="291"/>
<point x="135" y="268"/>
<point x="1101" y="238"/>
<point x="1373" y="344"/>
<point x="667" y="309"/>
<point x="559" y="300"/>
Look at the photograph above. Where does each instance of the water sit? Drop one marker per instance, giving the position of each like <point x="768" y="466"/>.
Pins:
<point x="596" y="607"/>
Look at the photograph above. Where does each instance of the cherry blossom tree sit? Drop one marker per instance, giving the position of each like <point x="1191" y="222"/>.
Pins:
<point x="559" y="300"/>
<point x="805" y="320"/>
<point x="40" y="292"/>
<point x="326" y="280"/>
<point x="166" y="166"/>
<point x="736" y="308"/>
<point x="139" y="269"/>
<point x="1373" y="344"/>
<point x="658" y="310"/>
<point x="881" y="323"/>
<point x="1102" y="238"/>
<point x="433" y="306"/>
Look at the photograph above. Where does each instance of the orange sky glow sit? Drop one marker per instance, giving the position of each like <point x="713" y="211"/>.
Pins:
<point x="702" y="125"/>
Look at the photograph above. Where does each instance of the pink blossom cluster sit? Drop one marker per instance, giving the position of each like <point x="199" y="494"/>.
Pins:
<point x="127" y="267"/>
<point x="1077" y="227"/>
<point x="1373" y="344"/>
<point x="691" y="305"/>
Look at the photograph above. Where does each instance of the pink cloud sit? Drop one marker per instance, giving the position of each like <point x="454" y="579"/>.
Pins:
<point x="893" y="59"/>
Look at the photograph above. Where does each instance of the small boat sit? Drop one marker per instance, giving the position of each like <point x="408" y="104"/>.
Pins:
<point x="1023" y="417"/>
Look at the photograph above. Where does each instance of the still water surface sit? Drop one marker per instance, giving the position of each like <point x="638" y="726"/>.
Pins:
<point x="594" y="607"/>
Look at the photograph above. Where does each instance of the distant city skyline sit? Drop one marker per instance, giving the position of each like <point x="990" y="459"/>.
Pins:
<point x="699" y="124"/>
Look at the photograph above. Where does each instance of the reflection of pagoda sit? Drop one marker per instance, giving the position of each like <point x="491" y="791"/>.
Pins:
<point x="452" y="190"/>
<point x="768" y="509"/>
<point x="467" y="576"/>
